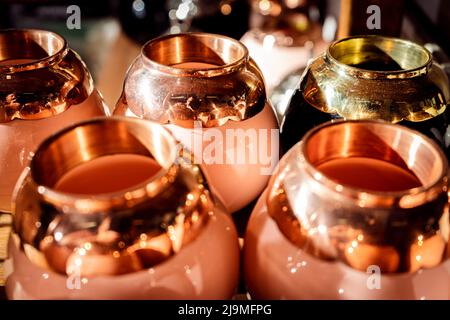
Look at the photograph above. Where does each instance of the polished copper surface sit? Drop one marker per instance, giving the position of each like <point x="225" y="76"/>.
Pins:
<point x="39" y="75"/>
<point x="113" y="233"/>
<point x="232" y="89"/>
<point x="399" y="231"/>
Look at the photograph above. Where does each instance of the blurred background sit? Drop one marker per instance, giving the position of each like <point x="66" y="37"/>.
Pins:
<point x="280" y="34"/>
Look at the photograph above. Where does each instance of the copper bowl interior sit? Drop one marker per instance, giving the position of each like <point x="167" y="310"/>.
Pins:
<point x="377" y="140"/>
<point x="34" y="45"/>
<point x="193" y="47"/>
<point x="104" y="136"/>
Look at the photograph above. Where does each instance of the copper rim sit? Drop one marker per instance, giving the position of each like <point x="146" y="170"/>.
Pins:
<point x="383" y="198"/>
<point x="23" y="43"/>
<point x="40" y="77"/>
<point x="226" y="53"/>
<point x="164" y="154"/>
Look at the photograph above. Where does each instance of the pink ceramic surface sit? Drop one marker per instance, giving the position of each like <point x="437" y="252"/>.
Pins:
<point x="237" y="184"/>
<point x="276" y="269"/>
<point x="19" y="138"/>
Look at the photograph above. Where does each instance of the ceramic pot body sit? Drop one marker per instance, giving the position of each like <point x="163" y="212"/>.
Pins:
<point x="211" y="95"/>
<point x="310" y="237"/>
<point x="152" y="240"/>
<point x="44" y="86"/>
<point x="371" y="77"/>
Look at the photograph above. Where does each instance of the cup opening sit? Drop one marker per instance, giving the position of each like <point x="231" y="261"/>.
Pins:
<point x="130" y="141"/>
<point x="27" y="47"/>
<point x="194" y="51"/>
<point x="379" y="54"/>
<point x="396" y="158"/>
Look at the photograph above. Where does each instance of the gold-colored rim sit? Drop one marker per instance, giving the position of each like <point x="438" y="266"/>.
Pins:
<point x="413" y="59"/>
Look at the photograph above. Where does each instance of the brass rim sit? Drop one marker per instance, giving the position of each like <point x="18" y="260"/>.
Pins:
<point x="392" y="47"/>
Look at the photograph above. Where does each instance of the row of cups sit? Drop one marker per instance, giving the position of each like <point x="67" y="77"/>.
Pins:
<point x="169" y="235"/>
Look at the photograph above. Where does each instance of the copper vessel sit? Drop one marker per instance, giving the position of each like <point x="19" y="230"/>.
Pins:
<point x="371" y="77"/>
<point x="313" y="237"/>
<point x="153" y="240"/>
<point x="44" y="86"/>
<point x="203" y="85"/>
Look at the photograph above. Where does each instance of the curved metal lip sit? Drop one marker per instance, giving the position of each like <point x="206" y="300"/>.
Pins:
<point x="359" y="193"/>
<point x="379" y="74"/>
<point x="118" y="197"/>
<point x="203" y="72"/>
<point x="38" y="63"/>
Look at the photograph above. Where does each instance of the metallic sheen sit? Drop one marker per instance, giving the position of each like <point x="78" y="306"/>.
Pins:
<point x="39" y="75"/>
<point x="139" y="227"/>
<point x="231" y="90"/>
<point x="371" y="77"/>
<point x="417" y="92"/>
<point x="398" y="231"/>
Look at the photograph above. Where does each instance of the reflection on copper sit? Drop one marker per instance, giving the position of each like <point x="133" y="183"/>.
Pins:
<point x="39" y="75"/>
<point x="399" y="231"/>
<point x="165" y="83"/>
<point x="114" y="233"/>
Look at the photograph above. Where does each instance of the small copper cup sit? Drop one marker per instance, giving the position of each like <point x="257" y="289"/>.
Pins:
<point x="44" y="86"/>
<point x="155" y="239"/>
<point x="327" y="239"/>
<point x="202" y="86"/>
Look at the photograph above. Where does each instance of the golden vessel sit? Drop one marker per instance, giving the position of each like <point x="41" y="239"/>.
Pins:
<point x="371" y="77"/>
